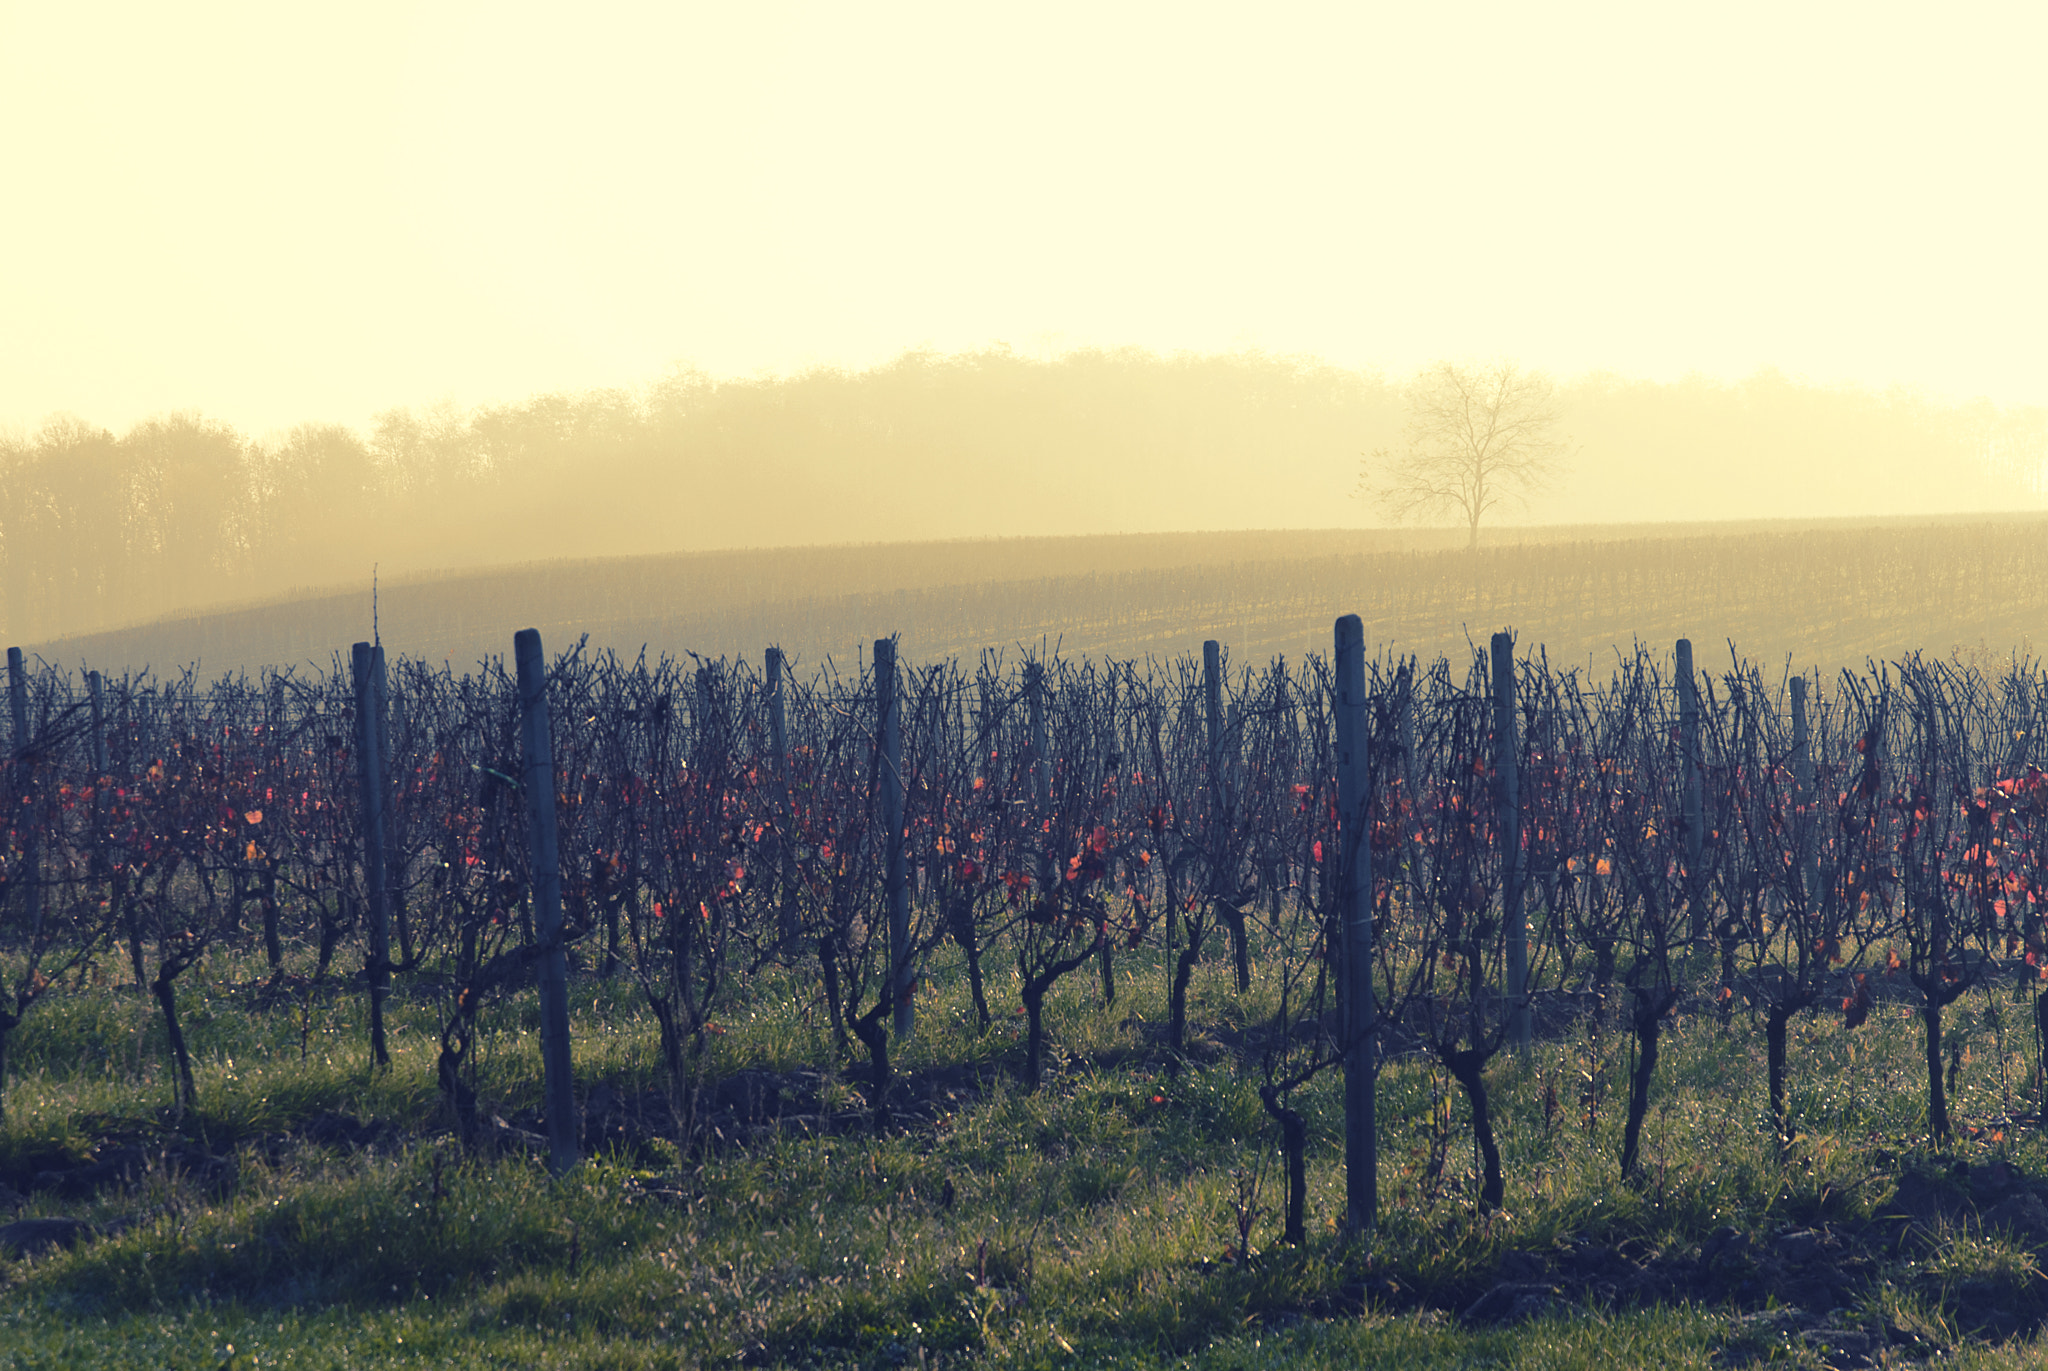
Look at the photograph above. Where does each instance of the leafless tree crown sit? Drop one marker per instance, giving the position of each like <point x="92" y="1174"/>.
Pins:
<point x="1476" y="435"/>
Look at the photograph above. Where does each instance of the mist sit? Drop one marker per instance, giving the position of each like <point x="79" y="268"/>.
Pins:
<point x="184" y="511"/>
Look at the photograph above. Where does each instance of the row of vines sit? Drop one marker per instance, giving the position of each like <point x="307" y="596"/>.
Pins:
<point x="1541" y="843"/>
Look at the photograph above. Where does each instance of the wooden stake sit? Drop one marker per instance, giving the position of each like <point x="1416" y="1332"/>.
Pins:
<point x="95" y="690"/>
<point x="895" y="887"/>
<point x="1354" y="917"/>
<point x="364" y="661"/>
<point x="32" y="855"/>
<point x="1695" y="830"/>
<point x="778" y="759"/>
<point x="1041" y="792"/>
<point x="1212" y="701"/>
<point x="1808" y="857"/>
<point x="538" y="781"/>
<point x="1507" y="754"/>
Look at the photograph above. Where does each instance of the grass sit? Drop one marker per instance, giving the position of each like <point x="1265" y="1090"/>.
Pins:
<point x="1128" y="1214"/>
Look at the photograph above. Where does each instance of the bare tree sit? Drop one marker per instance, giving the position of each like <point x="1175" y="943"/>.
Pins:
<point x="1476" y="435"/>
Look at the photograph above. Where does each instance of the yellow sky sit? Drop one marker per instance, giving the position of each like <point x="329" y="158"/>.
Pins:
<point x="273" y="214"/>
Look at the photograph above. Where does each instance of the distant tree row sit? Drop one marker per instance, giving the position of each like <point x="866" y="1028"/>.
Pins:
<point x="98" y="529"/>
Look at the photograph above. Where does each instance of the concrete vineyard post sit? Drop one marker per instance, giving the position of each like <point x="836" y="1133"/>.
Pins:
<point x="1354" y="917"/>
<point x="537" y="779"/>
<point x="1507" y="757"/>
<point x="364" y="663"/>
<point x="902" y="981"/>
<point x="1689" y="743"/>
<point x="31" y="856"/>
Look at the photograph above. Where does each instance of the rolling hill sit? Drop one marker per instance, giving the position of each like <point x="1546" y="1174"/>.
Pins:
<point x="1817" y="593"/>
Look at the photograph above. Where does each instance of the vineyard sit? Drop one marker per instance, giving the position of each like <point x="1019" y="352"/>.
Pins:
<point x="1540" y="865"/>
<point x="1823" y="593"/>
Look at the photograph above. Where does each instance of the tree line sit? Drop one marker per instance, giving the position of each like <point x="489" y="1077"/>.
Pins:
<point x="182" y="510"/>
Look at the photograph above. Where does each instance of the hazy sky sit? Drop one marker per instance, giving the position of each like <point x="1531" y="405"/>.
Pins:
<point x="277" y="212"/>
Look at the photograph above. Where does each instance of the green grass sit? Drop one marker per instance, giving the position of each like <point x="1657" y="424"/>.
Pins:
<point x="1094" y="1223"/>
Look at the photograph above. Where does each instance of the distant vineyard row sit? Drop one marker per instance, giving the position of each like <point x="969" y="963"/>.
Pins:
<point x="1825" y="596"/>
<point x="1540" y="832"/>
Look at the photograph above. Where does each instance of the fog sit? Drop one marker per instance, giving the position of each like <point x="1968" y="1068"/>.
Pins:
<point x="290" y="300"/>
<point x="183" y="511"/>
<point x="277" y="215"/>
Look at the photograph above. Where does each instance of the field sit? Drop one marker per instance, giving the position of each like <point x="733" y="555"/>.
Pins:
<point x="1057" y="1074"/>
<point x="1822" y="593"/>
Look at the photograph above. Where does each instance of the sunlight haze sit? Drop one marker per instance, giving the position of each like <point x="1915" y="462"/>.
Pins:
<point x="274" y="215"/>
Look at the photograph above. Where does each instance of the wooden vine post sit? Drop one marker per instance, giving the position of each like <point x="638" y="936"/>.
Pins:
<point x="1808" y="857"/>
<point x="902" y="980"/>
<point x="1222" y="894"/>
<point x="1354" y="920"/>
<point x="538" y="781"/>
<point x="273" y="727"/>
<point x="1212" y="718"/>
<point x="1409" y="866"/>
<point x="366" y="663"/>
<point x="395" y="920"/>
<point x="1041" y="793"/>
<point x="778" y="713"/>
<point x="32" y="854"/>
<point x="1283" y="713"/>
<point x="1112" y="777"/>
<point x="778" y="760"/>
<point x="1695" y="828"/>
<point x="95" y="692"/>
<point x="1507" y="758"/>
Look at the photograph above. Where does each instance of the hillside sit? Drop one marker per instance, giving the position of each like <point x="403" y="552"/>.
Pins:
<point x="1818" y="593"/>
<point x="185" y="514"/>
